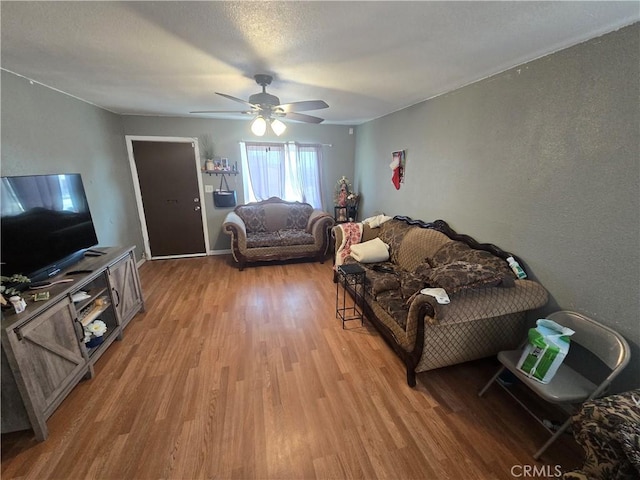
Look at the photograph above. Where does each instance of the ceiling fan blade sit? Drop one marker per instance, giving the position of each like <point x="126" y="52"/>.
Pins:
<point x="235" y="99"/>
<point x="303" y="106"/>
<point x="301" y="117"/>
<point x="222" y="111"/>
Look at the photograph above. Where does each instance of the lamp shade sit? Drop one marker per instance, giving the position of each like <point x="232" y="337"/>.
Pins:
<point x="259" y="126"/>
<point x="278" y="127"/>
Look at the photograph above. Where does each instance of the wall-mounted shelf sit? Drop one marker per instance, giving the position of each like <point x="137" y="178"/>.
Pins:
<point x="221" y="172"/>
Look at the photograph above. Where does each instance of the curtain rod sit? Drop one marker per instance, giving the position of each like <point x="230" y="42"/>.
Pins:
<point x="280" y="143"/>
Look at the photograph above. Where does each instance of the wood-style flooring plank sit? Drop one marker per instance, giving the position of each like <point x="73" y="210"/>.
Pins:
<point x="250" y="375"/>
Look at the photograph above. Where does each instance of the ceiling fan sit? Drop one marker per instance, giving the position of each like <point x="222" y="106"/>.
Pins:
<point x="267" y="109"/>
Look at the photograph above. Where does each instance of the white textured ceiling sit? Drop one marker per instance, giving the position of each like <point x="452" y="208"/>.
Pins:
<point x="365" y="59"/>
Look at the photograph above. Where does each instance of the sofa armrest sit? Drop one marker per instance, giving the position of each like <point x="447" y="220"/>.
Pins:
<point x="368" y="233"/>
<point x="477" y="303"/>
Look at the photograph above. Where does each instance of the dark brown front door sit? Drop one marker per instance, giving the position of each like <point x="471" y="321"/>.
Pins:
<point x="170" y="197"/>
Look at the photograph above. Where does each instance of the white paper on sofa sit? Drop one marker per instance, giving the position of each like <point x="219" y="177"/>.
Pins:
<point x="440" y="294"/>
<point x="373" y="251"/>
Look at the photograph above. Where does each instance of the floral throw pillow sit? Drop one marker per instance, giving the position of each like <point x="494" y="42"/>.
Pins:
<point x="459" y="251"/>
<point x="254" y="218"/>
<point x="461" y="275"/>
<point x="298" y="216"/>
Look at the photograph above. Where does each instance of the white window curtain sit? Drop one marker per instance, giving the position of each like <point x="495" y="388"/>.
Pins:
<point x="289" y="171"/>
<point x="265" y="164"/>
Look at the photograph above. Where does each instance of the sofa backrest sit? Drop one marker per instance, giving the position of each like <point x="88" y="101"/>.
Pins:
<point x="410" y="245"/>
<point x="413" y="242"/>
<point x="274" y="214"/>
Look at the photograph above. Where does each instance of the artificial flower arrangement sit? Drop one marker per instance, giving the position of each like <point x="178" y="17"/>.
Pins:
<point x="353" y="199"/>
<point x="93" y="333"/>
<point x="8" y="286"/>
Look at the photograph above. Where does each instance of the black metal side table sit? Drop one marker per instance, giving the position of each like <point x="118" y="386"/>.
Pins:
<point x="350" y="277"/>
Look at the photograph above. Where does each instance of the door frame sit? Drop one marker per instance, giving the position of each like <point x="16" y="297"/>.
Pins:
<point x="136" y="186"/>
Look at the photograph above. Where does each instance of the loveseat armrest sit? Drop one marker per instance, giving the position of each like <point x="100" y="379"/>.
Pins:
<point x="319" y="225"/>
<point x="234" y="226"/>
<point x="319" y="221"/>
<point x="233" y="223"/>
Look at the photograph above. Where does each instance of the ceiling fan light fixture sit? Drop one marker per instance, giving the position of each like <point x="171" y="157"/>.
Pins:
<point x="259" y="126"/>
<point x="278" y="127"/>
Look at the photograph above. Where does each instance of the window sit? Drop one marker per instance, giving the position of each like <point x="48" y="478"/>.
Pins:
<point x="290" y="171"/>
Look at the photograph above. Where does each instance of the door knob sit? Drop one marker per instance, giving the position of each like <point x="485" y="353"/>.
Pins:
<point x="196" y="208"/>
<point x="196" y="200"/>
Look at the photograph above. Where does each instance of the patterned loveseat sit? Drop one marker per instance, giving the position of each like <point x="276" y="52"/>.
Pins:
<point x="608" y="429"/>
<point x="487" y="306"/>
<point x="277" y="230"/>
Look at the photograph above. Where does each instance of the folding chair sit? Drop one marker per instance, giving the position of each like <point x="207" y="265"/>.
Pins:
<point x="568" y="386"/>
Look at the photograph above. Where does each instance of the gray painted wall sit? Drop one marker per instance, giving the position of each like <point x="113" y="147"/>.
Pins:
<point x="44" y="131"/>
<point x="225" y="135"/>
<point x="542" y="160"/>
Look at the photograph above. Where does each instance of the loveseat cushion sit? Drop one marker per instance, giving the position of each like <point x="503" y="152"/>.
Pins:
<point x="298" y="216"/>
<point x="295" y="237"/>
<point x="279" y="239"/>
<point x="254" y="217"/>
<point x="262" y="239"/>
<point x="459" y="251"/>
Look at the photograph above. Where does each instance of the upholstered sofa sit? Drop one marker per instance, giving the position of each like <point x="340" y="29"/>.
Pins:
<point x="488" y="304"/>
<point x="274" y="229"/>
<point x="608" y="429"/>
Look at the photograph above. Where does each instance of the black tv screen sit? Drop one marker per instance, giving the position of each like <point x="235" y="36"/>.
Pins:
<point x="46" y="224"/>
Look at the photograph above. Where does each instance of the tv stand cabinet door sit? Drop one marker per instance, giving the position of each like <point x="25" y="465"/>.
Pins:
<point x="125" y="289"/>
<point x="48" y="348"/>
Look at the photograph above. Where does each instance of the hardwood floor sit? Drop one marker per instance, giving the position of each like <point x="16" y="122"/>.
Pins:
<point x="249" y="374"/>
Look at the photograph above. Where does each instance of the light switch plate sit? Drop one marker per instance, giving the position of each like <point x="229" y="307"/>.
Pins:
<point x="208" y="189"/>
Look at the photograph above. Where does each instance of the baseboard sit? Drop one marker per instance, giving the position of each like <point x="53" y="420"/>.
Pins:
<point x="211" y="252"/>
<point x="220" y="252"/>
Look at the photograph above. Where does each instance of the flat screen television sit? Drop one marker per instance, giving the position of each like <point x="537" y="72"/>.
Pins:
<point x="45" y="224"/>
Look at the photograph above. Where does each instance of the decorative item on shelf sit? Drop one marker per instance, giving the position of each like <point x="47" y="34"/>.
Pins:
<point x="352" y="206"/>
<point x="341" y="199"/>
<point x="397" y="166"/>
<point x="207" y="151"/>
<point x="19" y="305"/>
<point x="343" y="188"/>
<point x="94" y="333"/>
<point x="9" y="287"/>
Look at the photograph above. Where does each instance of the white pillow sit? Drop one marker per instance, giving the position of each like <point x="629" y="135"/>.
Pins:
<point x="373" y="251"/>
<point x="376" y="221"/>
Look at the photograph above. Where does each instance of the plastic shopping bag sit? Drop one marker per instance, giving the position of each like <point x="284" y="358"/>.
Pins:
<point x="548" y="346"/>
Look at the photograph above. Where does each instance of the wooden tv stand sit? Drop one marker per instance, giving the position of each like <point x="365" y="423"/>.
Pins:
<point x="43" y="351"/>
